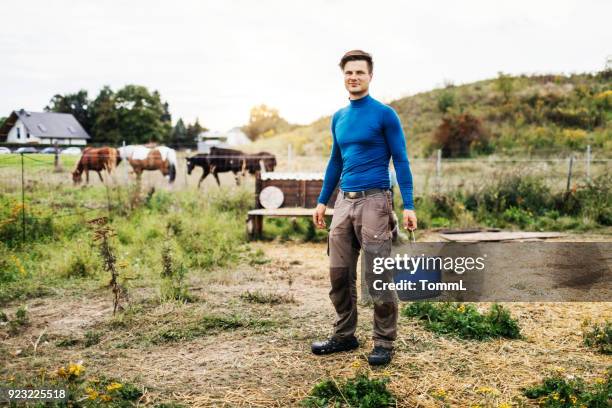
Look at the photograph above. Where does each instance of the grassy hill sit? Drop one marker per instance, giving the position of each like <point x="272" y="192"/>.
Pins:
<point x="544" y="114"/>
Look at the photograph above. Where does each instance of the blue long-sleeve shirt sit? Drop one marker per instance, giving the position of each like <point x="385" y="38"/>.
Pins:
<point x="366" y="134"/>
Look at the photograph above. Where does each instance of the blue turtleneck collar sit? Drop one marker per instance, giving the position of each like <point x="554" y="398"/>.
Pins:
<point x="357" y="103"/>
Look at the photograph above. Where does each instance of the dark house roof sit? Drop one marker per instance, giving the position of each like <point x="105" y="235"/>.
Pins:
<point x="46" y="124"/>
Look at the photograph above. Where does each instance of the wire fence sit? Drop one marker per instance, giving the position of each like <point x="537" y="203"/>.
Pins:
<point x="45" y="181"/>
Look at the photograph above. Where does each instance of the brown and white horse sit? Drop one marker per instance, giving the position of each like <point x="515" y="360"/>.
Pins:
<point x="142" y="158"/>
<point x="96" y="159"/>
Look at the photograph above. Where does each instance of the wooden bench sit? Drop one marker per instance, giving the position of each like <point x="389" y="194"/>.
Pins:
<point x="255" y="217"/>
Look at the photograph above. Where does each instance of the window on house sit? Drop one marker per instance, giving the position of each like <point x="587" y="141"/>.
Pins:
<point x="28" y="135"/>
<point x="18" y="133"/>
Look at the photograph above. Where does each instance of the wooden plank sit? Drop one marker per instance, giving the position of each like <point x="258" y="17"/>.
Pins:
<point x="500" y="236"/>
<point x="288" y="212"/>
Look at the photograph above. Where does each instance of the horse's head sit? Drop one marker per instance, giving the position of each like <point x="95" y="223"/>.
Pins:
<point x="76" y="177"/>
<point x="190" y="165"/>
<point x="269" y="161"/>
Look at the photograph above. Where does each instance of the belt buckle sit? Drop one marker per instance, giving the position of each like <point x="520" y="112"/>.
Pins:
<point x="352" y="194"/>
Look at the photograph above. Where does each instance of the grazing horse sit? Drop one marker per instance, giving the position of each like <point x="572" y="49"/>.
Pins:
<point x="96" y="159"/>
<point x="155" y="158"/>
<point x="221" y="160"/>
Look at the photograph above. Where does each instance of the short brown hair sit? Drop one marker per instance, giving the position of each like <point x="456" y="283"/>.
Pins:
<point x="357" y="55"/>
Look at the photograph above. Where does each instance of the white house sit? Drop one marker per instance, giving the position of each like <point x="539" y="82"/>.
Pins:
<point x="233" y="137"/>
<point x="43" y="128"/>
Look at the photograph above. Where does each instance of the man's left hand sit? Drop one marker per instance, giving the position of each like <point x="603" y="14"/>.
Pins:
<point x="410" y="220"/>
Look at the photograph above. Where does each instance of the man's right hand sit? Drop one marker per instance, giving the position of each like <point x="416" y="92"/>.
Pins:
<point x="319" y="216"/>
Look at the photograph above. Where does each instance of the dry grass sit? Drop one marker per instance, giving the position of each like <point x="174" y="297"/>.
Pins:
<point x="273" y="366"/>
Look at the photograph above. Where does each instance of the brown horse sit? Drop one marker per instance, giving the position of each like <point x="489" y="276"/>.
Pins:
<point x="96" y="159"/>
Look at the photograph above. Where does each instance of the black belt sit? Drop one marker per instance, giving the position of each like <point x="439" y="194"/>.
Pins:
<point x="359" y="194"/>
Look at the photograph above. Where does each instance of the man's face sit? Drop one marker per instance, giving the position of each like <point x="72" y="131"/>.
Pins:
<point x="357" y="77"/>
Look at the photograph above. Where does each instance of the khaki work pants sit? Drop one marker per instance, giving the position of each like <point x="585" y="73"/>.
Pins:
<point x="358" y="223"/>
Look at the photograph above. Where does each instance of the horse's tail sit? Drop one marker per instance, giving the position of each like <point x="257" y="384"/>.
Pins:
<point x="172" y="164"/>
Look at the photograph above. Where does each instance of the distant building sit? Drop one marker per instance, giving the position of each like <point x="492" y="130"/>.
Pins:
<point x="43" y="128"/>
<point x="233" y="137"/>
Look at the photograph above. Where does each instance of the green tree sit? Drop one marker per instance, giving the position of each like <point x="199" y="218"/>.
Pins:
<point x="179" y="137"/>
<point x="140" y="115"/>
<point x="193" y="130"/>
<point x="106" y="119"/>
<point x="78" y="104"/>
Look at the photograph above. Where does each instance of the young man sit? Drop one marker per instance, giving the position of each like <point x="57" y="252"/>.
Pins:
<point x="366" y="134"/>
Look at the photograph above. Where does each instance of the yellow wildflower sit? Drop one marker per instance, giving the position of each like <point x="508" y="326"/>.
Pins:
<point x="75" y="369"/>
<point x="387" y="373"/>
<point x="485" y="390"/>
<point x="559" y="369"/>
<point x="573" y="399"/>
<point x="61" y="372"/>
<point x="91" y="393"/>
<point x="439" y="394"/>
<point x="105" y="398"/>
<point x="599" y="380"/>
<point x="555" y="396"/>
<point x="113" y="386"/>
<point x="122" y="264"/>
<point x="356" y="364"/>
<point x="476" y="406"/>
<point x="461" y="308"/>
<point x="504" y="405"/>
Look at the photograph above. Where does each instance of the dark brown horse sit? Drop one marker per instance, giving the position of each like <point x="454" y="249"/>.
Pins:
<point x="96" y="159"/>
<point x="221" y="160"/>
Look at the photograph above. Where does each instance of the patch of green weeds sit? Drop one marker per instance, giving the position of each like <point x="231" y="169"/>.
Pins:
<point x="464" y="320"/>
<point x="360" y="391"/>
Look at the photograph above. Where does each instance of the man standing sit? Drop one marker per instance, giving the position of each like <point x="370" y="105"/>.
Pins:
<point x="366" y="134"/>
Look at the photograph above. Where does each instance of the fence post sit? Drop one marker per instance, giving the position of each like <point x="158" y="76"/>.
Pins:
<point x="569" y="172"/>
<point x="438" y="169"/>
<point x="23" y="227"/>
<point x="126" y="165"/>
<point x="588" y="163"/>
<point x="56" y="160"/>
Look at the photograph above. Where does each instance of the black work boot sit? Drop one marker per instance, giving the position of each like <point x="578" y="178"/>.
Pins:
<point x="333" y="345"/>
<point x="380" y="356"/>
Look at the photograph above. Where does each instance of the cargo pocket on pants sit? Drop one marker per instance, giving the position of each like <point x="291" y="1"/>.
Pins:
<point x="375" y="241"/>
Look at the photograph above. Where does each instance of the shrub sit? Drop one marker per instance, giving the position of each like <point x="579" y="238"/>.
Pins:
<point x="460" y="135"/>
<point x="524" y="192"/>
<point x="574" y="138"/>
<point x="599" y="336"/>
<point x="237" y="201"/>
<point x="38" y="227"/>
<point x="595" y="198"/>
<point x="20" y="321"/>
<point x="559" y="392"/>
<point x="464" y="320"/>
<point x="360" y="391"/>
<point x="504" y="84"/>
<point x="158" y="201"/>
<point x="446" y="100"/>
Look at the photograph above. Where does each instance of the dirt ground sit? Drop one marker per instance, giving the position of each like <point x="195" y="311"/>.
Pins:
<point x="273" y="367"/>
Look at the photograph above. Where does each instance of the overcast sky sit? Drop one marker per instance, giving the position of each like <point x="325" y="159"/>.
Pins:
<point x="216" y="59"/>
